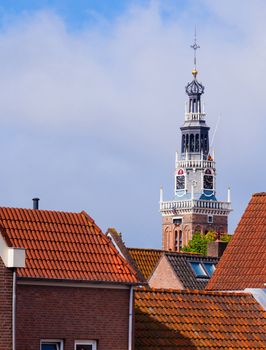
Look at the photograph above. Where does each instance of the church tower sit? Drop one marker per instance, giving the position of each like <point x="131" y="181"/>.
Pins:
<point x="195" y="207"/>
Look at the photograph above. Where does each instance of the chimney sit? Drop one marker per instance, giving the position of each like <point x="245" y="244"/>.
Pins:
<point x="35" y="203"/>
<point x="216" y="248"/>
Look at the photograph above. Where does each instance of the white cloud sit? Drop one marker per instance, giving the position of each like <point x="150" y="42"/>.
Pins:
<point x="106" y="104"/>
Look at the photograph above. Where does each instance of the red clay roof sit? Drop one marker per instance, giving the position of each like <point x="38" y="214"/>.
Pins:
<point x="243" y="264"/>
<point x="146" y="259"/>
<point x="62" y="245"/>
<point x="191" y="320"/>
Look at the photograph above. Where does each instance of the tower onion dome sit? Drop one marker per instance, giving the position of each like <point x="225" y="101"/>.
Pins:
<point x="194" y="88"/>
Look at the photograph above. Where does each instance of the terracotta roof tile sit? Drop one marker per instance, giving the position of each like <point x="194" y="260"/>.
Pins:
<point x="194" y="320"/>
<point x="146" y="259"/>
<point x="63" y="245"/>
<point x="243" y="264"/>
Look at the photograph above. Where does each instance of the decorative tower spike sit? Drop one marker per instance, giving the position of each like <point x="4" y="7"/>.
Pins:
<point x="195" y="47"/>
<point x="194" y="207"/>
<point x="161" y="194"/>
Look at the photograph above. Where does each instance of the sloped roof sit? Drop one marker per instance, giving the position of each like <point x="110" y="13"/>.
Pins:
<point x="243" y="264"/>
<point x="192" y="320"/>
<point x="116" y="239"/>
<point x="180" y="263"/>
<point x="62" y="245"/>
<point x="146" y="259"/>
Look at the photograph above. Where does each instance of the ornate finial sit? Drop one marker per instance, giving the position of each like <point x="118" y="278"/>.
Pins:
<point x="195" y="46"/>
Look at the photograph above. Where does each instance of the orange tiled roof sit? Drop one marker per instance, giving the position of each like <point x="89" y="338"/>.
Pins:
<point x="192" y="320"/>
<point x="243" y="264"/>
<point x="146" y="259"/>
<point x="62" y="245"/>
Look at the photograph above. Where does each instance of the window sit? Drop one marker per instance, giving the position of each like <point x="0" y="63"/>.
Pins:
<point x="85" y="345"/>
<point x="210" y="219"/>
<point x="183" y="143"/>
<point x="210" y="268"/>
<point x="202" y="269"/>
<point x="186" y="143"/>
<point x="197" y="143"/>
<point x="51" y="345"/>
<point x="177" y="221"/>
<point x="176" y="240"/>
<point x="198" y="269"/>
<point x="180" y="240"/>
<point x="192" y="143"/>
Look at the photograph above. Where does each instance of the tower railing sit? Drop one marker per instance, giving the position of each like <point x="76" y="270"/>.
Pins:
<point x="195" y="116"/>
<point x="194" y="203"/>
<point x="195" y="163"/>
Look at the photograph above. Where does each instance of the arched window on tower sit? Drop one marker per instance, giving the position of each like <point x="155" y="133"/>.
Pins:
<point x="197" y="143"/>
<point x="176" y="240"/>
<point x="180" y="240"/>
<point x="183" y="143"/>
<point x="192" y="144"/>
<point x="205" y="143"/>
<point x="208" y="180"/>
<point x="201" y="142"/>
<point x="187" y="142"/>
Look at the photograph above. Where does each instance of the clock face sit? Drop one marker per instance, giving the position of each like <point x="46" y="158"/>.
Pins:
<point x="208" y="182"/>
<point x="180" y="182"/>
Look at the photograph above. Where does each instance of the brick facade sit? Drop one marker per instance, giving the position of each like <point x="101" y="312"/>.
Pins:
<point x="164" y="276"/>
<point x="69" y="314"/>
<point x="5" y="307"/>
<point x="175" y="236"/>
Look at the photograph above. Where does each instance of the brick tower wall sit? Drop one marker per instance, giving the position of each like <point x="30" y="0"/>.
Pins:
<point x="191" y="223"/>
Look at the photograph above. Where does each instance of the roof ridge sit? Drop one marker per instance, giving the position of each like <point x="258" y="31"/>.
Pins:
<point x="259" y="194"/>
<point x="41" y="210"/>
<point x="188" y="254"/>
<point x="149" y="249"/>
<point x="189" y="291"/>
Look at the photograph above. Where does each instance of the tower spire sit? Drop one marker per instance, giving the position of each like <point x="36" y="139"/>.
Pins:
<point x="195" y="207"/>
<point x="195" y="47"/>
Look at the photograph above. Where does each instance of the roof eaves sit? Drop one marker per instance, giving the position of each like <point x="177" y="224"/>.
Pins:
<point x="75" y="281"/>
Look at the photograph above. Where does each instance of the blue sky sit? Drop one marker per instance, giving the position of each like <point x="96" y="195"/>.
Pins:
<point x="92" y="98"/>
<point x="75" y="13"/>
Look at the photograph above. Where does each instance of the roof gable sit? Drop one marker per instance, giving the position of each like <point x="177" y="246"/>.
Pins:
<point x="198" y="320"/>
<point x="243" y="264"/>
<point x="63" y="245"/>
<point x="164" y="276"/>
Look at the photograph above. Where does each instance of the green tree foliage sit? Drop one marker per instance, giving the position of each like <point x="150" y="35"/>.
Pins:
<point x="198" y="243"/>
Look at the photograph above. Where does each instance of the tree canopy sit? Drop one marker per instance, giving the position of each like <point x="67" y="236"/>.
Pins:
<point x="198" y="243"/>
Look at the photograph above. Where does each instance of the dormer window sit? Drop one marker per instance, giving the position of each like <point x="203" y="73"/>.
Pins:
<point x="202" y="269"/>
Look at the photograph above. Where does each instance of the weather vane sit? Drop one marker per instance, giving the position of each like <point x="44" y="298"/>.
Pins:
<point x="195" y="46"/>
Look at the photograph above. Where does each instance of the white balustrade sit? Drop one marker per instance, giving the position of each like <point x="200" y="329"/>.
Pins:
<point x="197" y="204"/>
<point x="195" y="116"/>
<point x="195" y="163"/>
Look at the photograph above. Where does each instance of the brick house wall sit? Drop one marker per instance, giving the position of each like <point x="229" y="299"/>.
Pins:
<point x="69" y="314"/>
<point x="6" y="278"/>
<point x="164" y="276"/>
